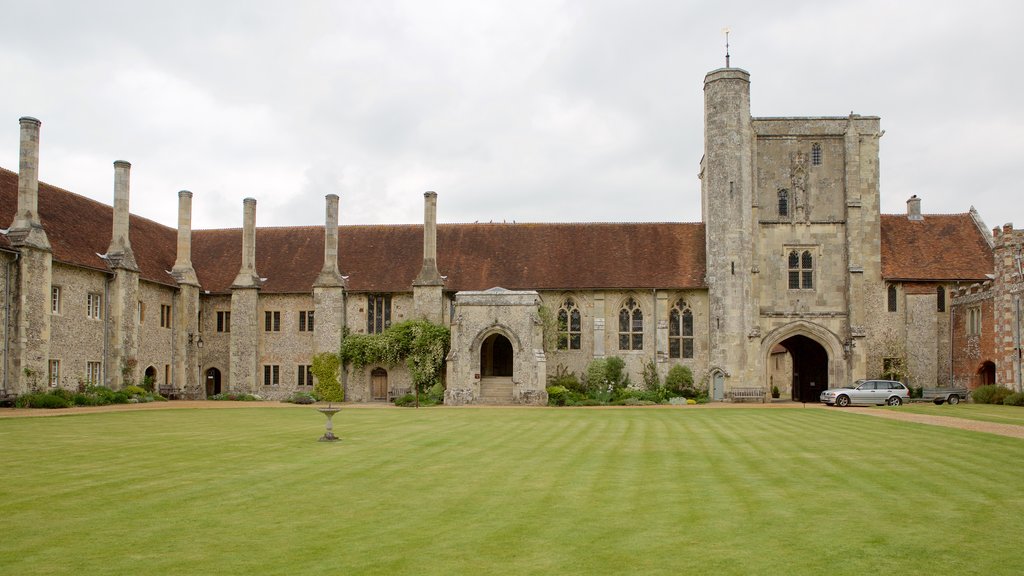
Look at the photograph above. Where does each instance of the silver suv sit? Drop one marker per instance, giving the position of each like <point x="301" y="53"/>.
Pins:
<point x="888" y="392"/>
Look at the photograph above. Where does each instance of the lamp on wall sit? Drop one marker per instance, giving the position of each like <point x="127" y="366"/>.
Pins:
<point x="197" y="341"/>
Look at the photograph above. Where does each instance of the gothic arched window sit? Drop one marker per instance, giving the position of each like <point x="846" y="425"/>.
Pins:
<point x="569" y="326"/>
<point x="801" y="270"/>
<point x="631" y="326"/>
<point x="783" y="202"/>
<point x="680" y="331"/>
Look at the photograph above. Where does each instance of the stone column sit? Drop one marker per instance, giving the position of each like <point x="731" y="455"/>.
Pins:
<point x="428" y="287"/>
<point x="31" y="350"/>
<point x="121" y="316"/>
<point x="329" y="288"/>
<point x="245" y="336"/>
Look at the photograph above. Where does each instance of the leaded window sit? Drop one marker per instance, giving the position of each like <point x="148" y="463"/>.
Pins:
<point x="816" y="154"/>
<point x="892" y="298"/>
<point x="801" y="270"/>
<point x="631" y="326"/>
<point x="680" y="331"/>
<point x="940" y="299"/>
<point x="569" y="326"/>
<point x="378" y="313"/>
<point x="783" y="202"/>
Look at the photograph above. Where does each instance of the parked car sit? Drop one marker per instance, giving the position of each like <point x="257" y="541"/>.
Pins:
<point x="889" y="392"/>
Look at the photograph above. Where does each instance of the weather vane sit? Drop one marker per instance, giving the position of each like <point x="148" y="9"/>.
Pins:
<point x="726" y="31"/>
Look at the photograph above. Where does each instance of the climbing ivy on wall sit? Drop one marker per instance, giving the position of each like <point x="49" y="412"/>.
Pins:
<point x="422" y="345"/>
<point x="325" y="368"/>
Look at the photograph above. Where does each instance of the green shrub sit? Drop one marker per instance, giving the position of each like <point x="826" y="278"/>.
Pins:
<point x="589" y="402"/>
<point x="635" y="402"/>
<point x="237" y="396"/>
<point x="300" y="398"/>
<point x="558" y="395"/>
<point x="409" y="400"/>
<point x="568" y="380"/>
<point x="44" y="400"/>
<point x="679" y="378"/>
<point x="990" y="394"/>
<point x="134" y="390"/>
<point x="325" y="368"/>
<point x="652" y="380"/>
<point x="1015" y="399"/>
<point x="615" y="372"/>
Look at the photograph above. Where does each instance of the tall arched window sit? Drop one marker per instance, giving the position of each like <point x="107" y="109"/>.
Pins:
<point x="801" y="270"/>
<point x="680" y="331"/>
<point x="940" y="298"/>
<point x="569" y="326"/>
<point x="892" y="297"/>
<point x="631" y="326"/>
<point x="816" y="154"/>
<point x="783" y="202"/>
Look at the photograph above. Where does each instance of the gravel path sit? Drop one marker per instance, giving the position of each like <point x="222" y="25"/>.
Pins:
<point x="1010" y="430"/>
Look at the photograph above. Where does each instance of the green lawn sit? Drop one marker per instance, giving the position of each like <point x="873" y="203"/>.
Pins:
<point x="506" y="491"/>
<point x="985" y="412"/>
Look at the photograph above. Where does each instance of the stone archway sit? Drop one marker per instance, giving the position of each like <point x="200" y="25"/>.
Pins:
<point x="809" y="362"/>
<point x="813" y="359"/>
<point x="496" y="356"/>
<point x="986" y="374"/>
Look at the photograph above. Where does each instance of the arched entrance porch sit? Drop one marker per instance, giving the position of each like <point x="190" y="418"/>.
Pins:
<point x="804" y="357"/>
<point x="496" y="361"/>
<point x="809" y="362"/>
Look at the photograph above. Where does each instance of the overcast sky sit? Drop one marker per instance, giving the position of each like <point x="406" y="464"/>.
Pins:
<point x="533" y="111"/>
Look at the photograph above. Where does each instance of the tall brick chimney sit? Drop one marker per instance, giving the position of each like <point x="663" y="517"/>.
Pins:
<point x="183" y="271"/>
<point x="120" y="254"/>
<point x="247" y="277"/>
<point x="429" y="276"/>
<point x="330" y="275"/>
<point x="26" y="228"/>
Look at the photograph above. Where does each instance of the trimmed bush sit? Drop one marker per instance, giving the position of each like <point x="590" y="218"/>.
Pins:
<point x="558" y="396"/>
<point x="679" y="378"/>
<point x="236" y="396"/>
<point x="43" y="400"/>
<point x="990" y="394"/>
<point x="1015" y="399"/>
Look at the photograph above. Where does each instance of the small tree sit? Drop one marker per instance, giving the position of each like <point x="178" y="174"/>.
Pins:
<point x="652" y="380"/>
<point x="325" y="368"/>
<point x="679" y="379"/>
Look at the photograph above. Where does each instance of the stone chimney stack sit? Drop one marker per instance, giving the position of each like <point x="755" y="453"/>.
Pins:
<point x="914" y="208"/>
<point x="183" y="271"/>
<point x="247" y="277"/>
<point x="429" y="276"/>
<point x="26" y="228"/>
<point x="329" y="275"/>
<point x="120" y="254"/>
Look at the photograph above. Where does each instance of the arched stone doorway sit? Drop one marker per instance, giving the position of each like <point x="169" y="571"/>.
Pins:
<point x="379" y="384"/>
<point x="809" y="365"/>
<point x="496" y="356"/>
<point x="496" y="360"/>
<point x="986" y="373"/>
<point x="212" y="382"/>
<point x="149" y="377"/>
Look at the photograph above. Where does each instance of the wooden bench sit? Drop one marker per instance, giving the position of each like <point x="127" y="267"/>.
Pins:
<point x="169" y="392"/>
<point x="7" y="397"/>
<point x="752" y="393"/>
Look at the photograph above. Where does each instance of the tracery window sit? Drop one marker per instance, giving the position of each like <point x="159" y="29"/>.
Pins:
<point x="680" y="331"/>
<point x="631" y="326"/>
<point x="378" y="313"/>
<point x="816" y="154"/>
<point x="783" y="202"/>
<point x="569" y="326"/>
<point x="801" y="270"/>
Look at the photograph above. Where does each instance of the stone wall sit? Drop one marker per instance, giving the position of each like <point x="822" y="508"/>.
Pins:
<point x="75" y="338"/>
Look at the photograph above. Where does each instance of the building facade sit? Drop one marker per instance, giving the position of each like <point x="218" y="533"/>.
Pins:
<point x="793" y="279"/>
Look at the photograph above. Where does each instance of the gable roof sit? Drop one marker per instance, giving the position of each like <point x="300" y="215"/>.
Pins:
<point x="386" y="258"/>
<point x="383" y="258"/>
<point x="79" y="229"/>
<point x="940" y="247"/>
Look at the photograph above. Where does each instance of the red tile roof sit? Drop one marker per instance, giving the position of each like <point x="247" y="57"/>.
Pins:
<point x="385" y="258"/>
<point x="941" y="247"/>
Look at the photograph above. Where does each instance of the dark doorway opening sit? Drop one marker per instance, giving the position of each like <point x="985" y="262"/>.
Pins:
<point x="496" y="356"/>
<point x="986" y="373"/>
<point x="810" y="368"/>
<point x="212" y="382"/>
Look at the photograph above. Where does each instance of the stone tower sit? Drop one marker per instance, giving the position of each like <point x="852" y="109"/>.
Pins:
<point x="726" y="197"/>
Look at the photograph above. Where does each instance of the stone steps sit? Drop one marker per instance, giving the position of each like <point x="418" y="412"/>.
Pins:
<point x="496" y="391"/>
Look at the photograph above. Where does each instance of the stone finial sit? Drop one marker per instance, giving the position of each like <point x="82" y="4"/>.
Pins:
<point x="247" y="276"/>
<point x="26" y="230"/>
<point x="183" y="271"/>
<point x="429" y="275"/>
<point x="330" y="276"/>
<point x="119" y="253"/>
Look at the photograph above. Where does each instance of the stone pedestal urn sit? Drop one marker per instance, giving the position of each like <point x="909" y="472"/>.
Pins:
<point x="329" y="411"/>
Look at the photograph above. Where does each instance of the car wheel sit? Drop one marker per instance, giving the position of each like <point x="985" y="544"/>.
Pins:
<point x="843" y="401"/>
<point x="954" y="399"/>
<point x="895" y="401"/>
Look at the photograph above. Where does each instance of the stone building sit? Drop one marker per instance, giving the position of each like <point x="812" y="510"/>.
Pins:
<point x="793" y="278"/>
